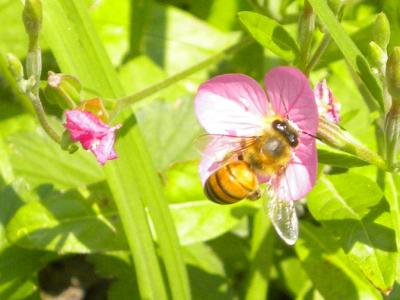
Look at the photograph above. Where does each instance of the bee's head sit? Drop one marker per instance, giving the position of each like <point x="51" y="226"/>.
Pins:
<point x="289" y="133"/>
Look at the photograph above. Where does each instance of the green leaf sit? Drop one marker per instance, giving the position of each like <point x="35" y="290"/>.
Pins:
<point x="132" y="178"/>
<point x="204" y="220"/>
<point x="171" y="35"/>
<point x="330" y="270"/>
<point x="339" y="159"/>
<point x="350" y="206"/>
<point x="392" y="10"/>
<point x="186" y="40"/>
<point x="133" y="83"/>
<point x="270" y="34"/>
<point x="29" y="150"/>
<point x="65" y="223"/>
<point x="350" y="51"/>
<point x="392" y="195"/>
<point x="170" y="129"/>
<point x="206" y="272"/>
<point x="117" y="266"/>
<point x="18" y="269"/>
<point x="261" y="257"/>
<point x="182" y="183"/>
<point x="12" y="32"/>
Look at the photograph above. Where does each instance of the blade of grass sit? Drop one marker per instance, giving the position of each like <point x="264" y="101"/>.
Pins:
<point x="350" y="51"/>
<point x="132" y="178"/>
<point x="262" y="246"/>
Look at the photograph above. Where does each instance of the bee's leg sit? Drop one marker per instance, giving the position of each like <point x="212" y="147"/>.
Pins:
<point x="240" y="156"/>
<point x="255" y="195"/>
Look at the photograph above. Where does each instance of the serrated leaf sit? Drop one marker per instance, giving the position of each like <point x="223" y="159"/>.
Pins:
<point x="270" y="34"/>
<point x="331" y="272"/>
<point x="350" y="206"/>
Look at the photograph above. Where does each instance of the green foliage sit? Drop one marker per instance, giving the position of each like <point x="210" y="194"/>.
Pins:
<point x="350" y="207"/>
<point x="143" y="221"/>
<point x="270" y="34"/>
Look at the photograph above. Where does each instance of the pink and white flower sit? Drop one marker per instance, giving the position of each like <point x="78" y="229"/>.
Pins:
<point x="327" y="107"/>
<point x="236" y="105"/>
<point x="92" y="133"/>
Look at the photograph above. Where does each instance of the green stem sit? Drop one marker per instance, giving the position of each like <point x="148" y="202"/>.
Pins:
<point x="256" y="6"/>
<point x="37" y="104"/>
<point x="318" y="53"/>
<point x="262" y="246"/>
<point x="129" y="100"/>
<point x="393" y="197"/>
<point x="132" y="179"/>
<point x="392" y="133"/>
<point x="334" y="136"/>
<point x="306" y="30"/>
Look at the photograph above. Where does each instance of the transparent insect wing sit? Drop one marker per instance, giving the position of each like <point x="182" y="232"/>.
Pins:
<point x="218" y="146"/>
<point x="283" y="217"/>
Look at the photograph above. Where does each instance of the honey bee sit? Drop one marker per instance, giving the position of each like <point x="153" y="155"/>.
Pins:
<point x="265" y="155"/>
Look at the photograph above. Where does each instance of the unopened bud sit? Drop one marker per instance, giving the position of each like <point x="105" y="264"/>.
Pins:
<point x="34" y="64"/>
<point x="96" y="107"/>
<point x="392" y="134"/>
<point x="381" y="31"/>
<point x="377" y="57"/>
<point x="32" y="17"/>
<point x="332" y="135"/>
<point x="393" y="76"/>
<point x="15" y="67"/>
<point x="63" y="90"/>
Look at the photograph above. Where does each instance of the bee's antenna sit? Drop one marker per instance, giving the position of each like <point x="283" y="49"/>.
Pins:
<point x="309" y="134"/>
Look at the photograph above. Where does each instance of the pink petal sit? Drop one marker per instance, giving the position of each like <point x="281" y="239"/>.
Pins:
<point x="231" y="104"/>
<point x="92" y="133"/>
<point x="104" y="150"/>
<point x="291" y="96"/>
<point x="82" y="122"/>
<point x="300" y="175"/>
<point x="213" y="155"/>
<point x="326" y="102"/>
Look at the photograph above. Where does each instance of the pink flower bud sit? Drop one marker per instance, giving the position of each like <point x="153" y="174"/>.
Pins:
<point x="326" y="102"/>
<point x="92" y="133"/>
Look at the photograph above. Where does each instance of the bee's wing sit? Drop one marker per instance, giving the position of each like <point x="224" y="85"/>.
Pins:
<point x="283" y="217"/>
<point x="221" y="143"/>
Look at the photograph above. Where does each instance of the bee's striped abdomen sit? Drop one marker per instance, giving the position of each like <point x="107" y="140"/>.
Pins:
<point x="231" y="183"/>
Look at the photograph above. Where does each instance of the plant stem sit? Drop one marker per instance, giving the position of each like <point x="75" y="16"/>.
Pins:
<point x="305" y="36"/>
<point x="262" y="245"/>
<point x="334" y="136"/>
<point x="129" y="100"/>
<point x="37" y="104"/>
<point x="318" y="53"/>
